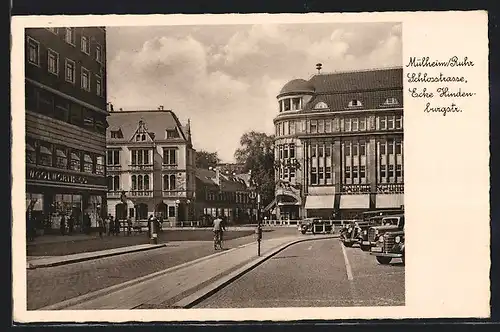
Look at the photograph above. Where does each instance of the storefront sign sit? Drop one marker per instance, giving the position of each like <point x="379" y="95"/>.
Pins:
<point x="39" y="174"/>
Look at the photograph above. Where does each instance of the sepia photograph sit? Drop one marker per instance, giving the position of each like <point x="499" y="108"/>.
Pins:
<point x="220" y="167"/>
<point x="214" y="165"/>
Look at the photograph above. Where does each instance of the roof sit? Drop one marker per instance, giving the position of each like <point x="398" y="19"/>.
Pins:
<point x="369" y="99"/>
<point x="228" y="183"/>
<point x="156" y="122"/>
<point x="297" y="86"/>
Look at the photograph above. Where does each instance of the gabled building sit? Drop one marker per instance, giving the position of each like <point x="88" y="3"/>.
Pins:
<point x="222" y="194"/>
<point x="339" y="144"/>
<point x="150" y="166"/>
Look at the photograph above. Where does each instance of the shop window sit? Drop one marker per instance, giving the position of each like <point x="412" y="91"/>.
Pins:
<point x="88" y="164"/>
<point x="45" y="155"/>
<point x="76" y="162"/>
<point x="61" y="159"/>
<point x="99" y="165"/>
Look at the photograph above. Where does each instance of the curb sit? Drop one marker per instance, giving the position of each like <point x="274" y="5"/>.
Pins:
<point x="105" y="291"/>
<point x="32" y="266"/>
<point x="206" y="292"/>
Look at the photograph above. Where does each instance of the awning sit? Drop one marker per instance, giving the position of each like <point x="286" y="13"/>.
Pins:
<point x="44" y="150"/>
<point x="87" y="158"/>
<point x="74" y="156"/>
<point x="270" y="205"/>
<point x="60" y="153"/>
<point x="385" y="201"/>
<point x="320" y="202"/>
<point x="355" y="202"/>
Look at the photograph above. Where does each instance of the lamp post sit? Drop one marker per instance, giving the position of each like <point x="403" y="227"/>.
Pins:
<point x="177" y="202"/>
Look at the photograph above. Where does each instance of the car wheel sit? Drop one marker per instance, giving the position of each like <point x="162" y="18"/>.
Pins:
<point x="348" y="244"/>
<point x="364" y="247"/>
<point x="303" y="231"/>
<point x="384" y="260"/>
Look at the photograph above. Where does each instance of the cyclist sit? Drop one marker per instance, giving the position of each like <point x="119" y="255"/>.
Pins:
<point x="218" y="229"/>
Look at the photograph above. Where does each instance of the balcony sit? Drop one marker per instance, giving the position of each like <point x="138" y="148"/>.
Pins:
<point x="174" y="194"/>
<point x="141" y="168"/>
<point x="390" y="188"/>
<point x="114" y="194"/>
<point x="167" y="167"/>
<point x="355" y="189"/>
<point x="141" y="193"/>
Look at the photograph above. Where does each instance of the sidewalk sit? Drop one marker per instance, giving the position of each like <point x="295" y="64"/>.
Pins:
<point x="48" y="261"/>
<point x="185" y="284"/>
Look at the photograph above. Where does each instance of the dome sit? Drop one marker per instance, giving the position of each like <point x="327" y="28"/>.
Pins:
<point x="297" y="86"/>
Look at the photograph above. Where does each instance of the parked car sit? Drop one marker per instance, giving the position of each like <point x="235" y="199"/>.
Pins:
<point x="350" y="233"/>
<point x="315" y="225"/>
<point x="388" y="224"/>
<point x="390" y="245"/>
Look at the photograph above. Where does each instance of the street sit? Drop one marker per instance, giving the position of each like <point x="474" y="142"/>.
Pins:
<point x="46" y="286"/>
<point x="315" y="274"/>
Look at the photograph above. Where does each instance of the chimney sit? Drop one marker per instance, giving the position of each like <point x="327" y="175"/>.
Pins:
<point x="160" y="108"/>
<point x="318" y="67"/>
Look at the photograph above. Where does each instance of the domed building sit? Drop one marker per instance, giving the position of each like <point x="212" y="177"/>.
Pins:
<point x="339" y="145"/>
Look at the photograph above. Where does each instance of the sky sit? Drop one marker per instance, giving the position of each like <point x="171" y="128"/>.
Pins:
<point x="225" y="78"/>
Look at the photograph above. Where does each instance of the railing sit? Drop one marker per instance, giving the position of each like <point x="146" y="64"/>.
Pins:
<point x="390" y="188"/>
<point x="114" y="194"/>
<point x="170" y="193"/>
<point x="112" y="168"/>
<point x="166" y="167"/>
<point x="352" y="189"/>
<point x="141" y="193"/>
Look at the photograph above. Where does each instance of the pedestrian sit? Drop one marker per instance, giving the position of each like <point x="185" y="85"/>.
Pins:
<point x="151" y="220"/>
<point x="129" y="226"/>
<point x="62" y="224"/>
<point x="71" y="224"/>
<point x="100" y="225"/>
<point x="108" y="224"/>
<point x="117" y="226"/>
<point x="86" y="223"/>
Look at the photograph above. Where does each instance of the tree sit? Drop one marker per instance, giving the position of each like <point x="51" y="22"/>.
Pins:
<point x="257" y="154"/>
<point x="205" y="159"/>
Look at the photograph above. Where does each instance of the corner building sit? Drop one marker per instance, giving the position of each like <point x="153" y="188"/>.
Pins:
<point x="339" y="145"/>
<point x="150" y="166"/>
<point x="65" y="100"/>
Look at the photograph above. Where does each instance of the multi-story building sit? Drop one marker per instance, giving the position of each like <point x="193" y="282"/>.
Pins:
<point x="339" y="144"/>
<point x="65" y="90"/>
<point x="220" y="193"/>
<point x="150" y="166"/>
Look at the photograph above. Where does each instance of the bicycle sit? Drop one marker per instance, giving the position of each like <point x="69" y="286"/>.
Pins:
<point x="217" y="240"/>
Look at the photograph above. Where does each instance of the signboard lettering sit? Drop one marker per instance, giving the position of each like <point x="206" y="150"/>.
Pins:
<point x="38" y="174"/>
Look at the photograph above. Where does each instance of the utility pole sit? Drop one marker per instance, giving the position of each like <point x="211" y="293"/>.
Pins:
<point x="259" y="227"/>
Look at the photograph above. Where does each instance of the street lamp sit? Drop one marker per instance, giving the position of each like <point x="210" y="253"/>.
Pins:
<point x="177" y="202"/>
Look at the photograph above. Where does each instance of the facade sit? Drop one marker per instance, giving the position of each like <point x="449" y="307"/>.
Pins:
<point x="339" y="144"/>
<point x="150" y="166"/>
<point x="219" y="193"/>
<point x="231" y="168"/>
<point x="65" y="101"/>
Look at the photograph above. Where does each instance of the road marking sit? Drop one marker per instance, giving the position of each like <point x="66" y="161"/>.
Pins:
<point x="347" y="264"/>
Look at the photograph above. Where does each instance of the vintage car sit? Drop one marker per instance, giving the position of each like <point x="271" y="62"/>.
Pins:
<point x="372" y="219"/>
<point x="390" y="245"/>
<point x="349" y="234"/>
<point x="314" y="225"/>
<point x="388" y="224"/>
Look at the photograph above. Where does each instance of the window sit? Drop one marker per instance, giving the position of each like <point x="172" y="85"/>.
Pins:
<point x="355" y="124"/>
<point x="383" y="122"/>
<point x="88" y="118"/>
<point x="53" y="30"/>
<point x="354" y="172"/>
<point x="328" y="126"/>
<point x="321" y="175"/>
<point x="399" y="122"/>
<point x="30" y="153"/>
<point x="382" y="148"/>
<point x="391" y="101"/>
<point x="286" y="105"/>
<point x="321" y="126"/>
<point x="398" y="148"/>
<point x="382" y="171"/>
<point x="355" y="103"/>
<point x="169" y="182"/>
<point x="313" y="150"/>
<point x="33" y="52"/>
<point x="99" y="165"/>
<point x="314" y="126"/>
<point x="314" y="176"/>
<point x="320" y="151"/>
<point x="53" y="62"/>
<point x="295" y="104"/>
<point x="75" y="163"/>
<point x="280" y="149"/>
<point x="285" y="151"/>
<point x="328" y="175"/>
<point x="328" y="151"/>
<point x="390" y="147"/>
<point x="45" y="102"/>
<point x="134" y="182"/>
<point x="113" y="183"/>
<point x="85" y="45"/>
<point x="347" y="125"/>
<point x="45" y="155"/>
<point x="286" y="128"/>
<point x="292" y="128"/>
<point x="171" y="211"/>
<point x="292" y="150"/>
<point x="70" y="71"/>
<point x="169" y="156"/>
<point x="347" y="172"/>
<point x="399" y="172"/>
<point x="362" y="124"/>
<point x="88" y="164"/>
<point x="61" y="159"/>
<point x="146" y="182"/>
<point x="355" y="149"/>
<point x="85" y="79"/>
<point x="62" y="109"/>
<point x="113" y="157"/>
<point x="70" y="36"/>
<point x="391" y="171"/>
<point x="362" y="172"/>
<point x="320" y="105"/>
<point x="98" y="53"/>
<point x="347" y="149"/>
<point x="390" y="122"/>
<point x="172" y="134"/>
<point x="140" y="182"/>
<point x="140" y="157"/>
<point x="98" y="86"/>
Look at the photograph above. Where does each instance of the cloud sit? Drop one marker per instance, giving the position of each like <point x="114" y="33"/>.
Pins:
<point x="226" y="78"/>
